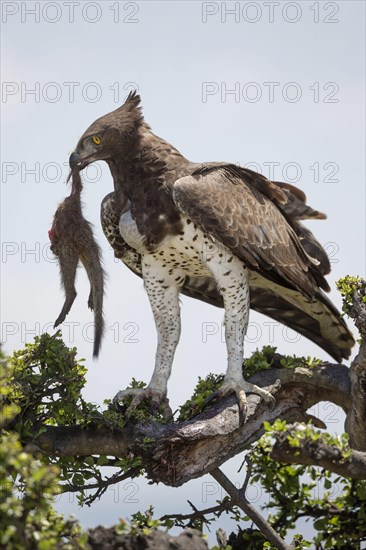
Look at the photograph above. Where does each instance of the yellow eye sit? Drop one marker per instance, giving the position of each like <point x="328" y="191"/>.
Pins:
<point x="96" y="140"/>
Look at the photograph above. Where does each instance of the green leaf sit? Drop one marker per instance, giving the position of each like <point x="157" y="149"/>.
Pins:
<point x="320" y="524"/>
<point x="327" y="484"/>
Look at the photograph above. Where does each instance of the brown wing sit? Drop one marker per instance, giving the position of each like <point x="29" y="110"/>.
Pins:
<point x="247" y="216"/>
<point x="296" y="206"/>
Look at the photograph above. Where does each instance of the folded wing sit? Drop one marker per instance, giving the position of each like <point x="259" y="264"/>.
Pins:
<point x="249" y="217"/>
<point x="259" y="221"/>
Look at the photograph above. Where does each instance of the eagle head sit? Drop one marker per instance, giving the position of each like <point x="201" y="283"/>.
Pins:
<point x="110" y="136"/>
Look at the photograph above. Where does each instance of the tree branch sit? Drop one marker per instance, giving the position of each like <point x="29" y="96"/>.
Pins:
<point x="318" y="453"/>
<point x="247" y="475"/>
<point x="356" y="417"/>
<point x="185" y="450"/>
<point x="353" y="290"/>
<point x="240" y="500"/>
<point x="102" y="485"/>
<point x="83" y="441"/>
<point x="200" y="514"/>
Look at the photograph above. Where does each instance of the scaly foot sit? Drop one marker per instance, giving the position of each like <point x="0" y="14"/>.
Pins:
<point x="241" y="388"/>
<point x="158" y="401"/>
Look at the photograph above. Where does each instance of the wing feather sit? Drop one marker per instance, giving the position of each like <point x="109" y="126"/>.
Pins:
<point x="227" y="203"/>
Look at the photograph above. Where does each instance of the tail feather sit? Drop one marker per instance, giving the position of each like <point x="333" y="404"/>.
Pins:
<point x="318" y="319"/>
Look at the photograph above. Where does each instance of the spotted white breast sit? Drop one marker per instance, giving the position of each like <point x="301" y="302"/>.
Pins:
<point x="191" y="251"/>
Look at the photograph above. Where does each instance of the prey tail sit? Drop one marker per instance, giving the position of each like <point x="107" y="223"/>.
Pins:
<point x="91" y="260"/>
<point x="98" y="326"/>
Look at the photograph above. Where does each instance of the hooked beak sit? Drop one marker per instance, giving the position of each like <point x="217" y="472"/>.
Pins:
<point x="74" y="160"/>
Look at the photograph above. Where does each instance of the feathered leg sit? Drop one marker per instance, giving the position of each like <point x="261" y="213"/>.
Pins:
<point x="233" y="284"/>
<point x="162" y="287"/>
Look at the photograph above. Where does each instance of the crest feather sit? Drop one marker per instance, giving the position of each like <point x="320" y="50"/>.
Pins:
<point x="133" y="99"/>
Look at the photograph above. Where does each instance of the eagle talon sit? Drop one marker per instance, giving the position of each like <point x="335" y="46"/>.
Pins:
<point x="158" y="401"/>
<point x="240" y="388"/>
<point x="230" y="387"/>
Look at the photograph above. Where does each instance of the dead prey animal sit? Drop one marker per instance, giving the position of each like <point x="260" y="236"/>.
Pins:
<point x="72" y="240"/>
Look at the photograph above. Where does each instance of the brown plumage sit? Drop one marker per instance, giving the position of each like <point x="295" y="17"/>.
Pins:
<point x="165" y="211"/>
<point x="72" y="240"/>
<point x="248" y="219"/>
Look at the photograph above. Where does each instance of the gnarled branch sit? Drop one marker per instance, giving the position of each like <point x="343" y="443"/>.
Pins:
<point x="356" y="418"/>
<point x="185" y="450"/>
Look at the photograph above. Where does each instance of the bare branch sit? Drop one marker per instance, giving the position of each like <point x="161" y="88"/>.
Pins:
<point x="83" y="441"/>
<point x="201" y="514"/>
<point x="239" y="499"/>
<point x="103" y="483"/>
<point x="247" y="475"/>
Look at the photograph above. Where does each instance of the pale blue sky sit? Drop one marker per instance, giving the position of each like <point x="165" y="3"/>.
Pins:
<point x="174" y="58"/>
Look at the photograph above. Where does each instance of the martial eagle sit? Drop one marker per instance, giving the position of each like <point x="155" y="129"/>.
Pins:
<point x="213" y="231"/>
